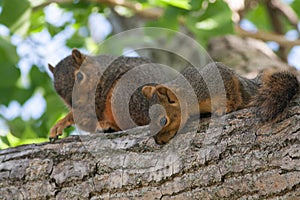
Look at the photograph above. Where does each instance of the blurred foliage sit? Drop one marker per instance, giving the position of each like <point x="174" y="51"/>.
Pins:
<point x="202" y="18"/>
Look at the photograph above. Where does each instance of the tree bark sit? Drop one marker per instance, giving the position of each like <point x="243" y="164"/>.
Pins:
<point x="228" y="157"/>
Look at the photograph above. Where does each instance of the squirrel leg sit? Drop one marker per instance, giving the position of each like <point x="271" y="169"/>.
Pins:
<point x="58" y="128"/>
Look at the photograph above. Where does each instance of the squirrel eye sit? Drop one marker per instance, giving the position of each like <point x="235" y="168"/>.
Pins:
<point x="163" y="121"/>
<point x="79" y="76"/>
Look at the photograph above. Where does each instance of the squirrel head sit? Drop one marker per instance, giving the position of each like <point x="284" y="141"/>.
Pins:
<point x="76" y="59"/>
<point x="168" y="122"/>
<point x="63" y="82"/>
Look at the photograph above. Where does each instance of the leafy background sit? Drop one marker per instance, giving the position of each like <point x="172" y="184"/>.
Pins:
<point x="36" y="32"/>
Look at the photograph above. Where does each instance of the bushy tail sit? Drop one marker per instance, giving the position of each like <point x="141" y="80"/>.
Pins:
<point x="273" y="97"/>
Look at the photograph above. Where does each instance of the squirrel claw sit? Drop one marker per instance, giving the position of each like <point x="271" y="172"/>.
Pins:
<point x="52" y="140"/>
<point x="54" y="133"/>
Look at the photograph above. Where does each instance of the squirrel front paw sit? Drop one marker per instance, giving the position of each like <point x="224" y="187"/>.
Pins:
<point x="57" y="129"/>
<point x="55" y="132"/>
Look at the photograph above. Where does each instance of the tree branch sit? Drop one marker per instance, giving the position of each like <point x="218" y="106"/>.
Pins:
<point x="286" y="11"/>
<point x="265" y="36"/>
<point x="232" y="160"/>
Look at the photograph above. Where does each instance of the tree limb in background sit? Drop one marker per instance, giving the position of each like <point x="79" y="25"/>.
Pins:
<point x="276" y="10"/>
<point x="286" y="11"/>
<point x="277" y="26"/>
<point x="266" y="36"/>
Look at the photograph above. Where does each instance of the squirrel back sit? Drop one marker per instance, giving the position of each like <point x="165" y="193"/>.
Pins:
<point x="270" y="94"/>
<point x="138" y="104"/>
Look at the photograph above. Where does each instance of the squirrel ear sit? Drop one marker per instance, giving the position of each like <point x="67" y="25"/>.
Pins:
<point x="164" y="91"/>
<point x="77" y="56"/>
<point x="148" y="91"/>
<point x="51" y="68"/>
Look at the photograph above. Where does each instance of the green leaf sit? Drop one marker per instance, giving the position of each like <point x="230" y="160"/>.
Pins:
<point x="184" y="4"/>
<point x="30" y="129"/>
<point x="4" y="140"/>
<point x="15" y="141"/>
<point x="8" y="52"/>
<point x="16" y="15"/>
<point x="81" y="11"/>
<point x="39" y="128"/>
<point x="168" y="20"/>
<point x="76" y="41"/>
<point x="215" y="20"/>
<point x="38" y="21"/>
<point x="36" y="129"/>
<point x="53" y="30"/>
<point x="196" y="4"/>
<point x="5" y="99"/>
<point x="296" y="5"/>
<point x="17" y="127"/>
<point x="259" y="17"/>
<point x="55" y="108"/>
<point x="142" y="1"/>
<point x="22" y="95"/>
<point x="9" y="75"/>
<point x="37" y="77"/>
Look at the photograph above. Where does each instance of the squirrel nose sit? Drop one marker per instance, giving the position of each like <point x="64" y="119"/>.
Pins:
<point x="109" y="130"/>
<point x="158" y="140"/>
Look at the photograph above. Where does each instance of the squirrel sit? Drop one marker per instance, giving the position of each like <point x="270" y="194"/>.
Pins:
<point x="77" y="78"/>
<point x="217" y="88"/>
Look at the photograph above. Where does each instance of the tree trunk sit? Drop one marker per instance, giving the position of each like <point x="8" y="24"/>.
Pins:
<point x="229" y="157"/>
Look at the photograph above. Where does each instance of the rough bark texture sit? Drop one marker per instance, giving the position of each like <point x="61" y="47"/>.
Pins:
<point x="230" y="157"/>
<point x="230" y="160"/>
